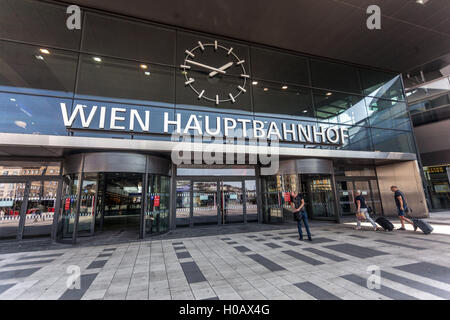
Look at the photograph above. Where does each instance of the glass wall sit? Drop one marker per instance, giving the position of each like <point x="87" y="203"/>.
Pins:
<point x="114" y="202"/>
<point x="438" y="181"/>
<point x="127" y="63"/>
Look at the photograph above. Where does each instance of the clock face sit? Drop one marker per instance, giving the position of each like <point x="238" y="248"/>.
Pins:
<point x="214" y="61"/>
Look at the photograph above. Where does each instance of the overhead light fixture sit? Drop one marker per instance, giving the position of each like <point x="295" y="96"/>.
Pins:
<point x="45" y="51"/>
<point x="254" y="83"/>
<point x="39" y="57"/>
<point x="12" y="99"/>
<point x="328" y="93"/>
<point x="97" y="59"/>
<point x="147" y="73"/>
<point x="284" y="87"/>
<point x="266" y="89"/>
<point x="144" y="66"/>
<point x="422" y="2"/>
<point x="305" y="111"/>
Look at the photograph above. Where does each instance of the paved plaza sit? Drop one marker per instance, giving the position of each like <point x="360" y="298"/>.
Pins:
<point x="235" y="262"/>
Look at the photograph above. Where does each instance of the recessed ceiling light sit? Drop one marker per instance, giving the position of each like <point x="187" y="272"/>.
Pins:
<point x="421" y="1"/>
<point x="284" y="87"/>
<point x="45" y="51"/>
<point x="12" y="99"/>
<point x="97" y="59"/>
<point x="147" y="73"/>
<point x="39" y="57"/>
<point x="266" y="89"/>
<point x="254" y="83"/>
<point x="328" y="93"/>
<point x="144" y="66"/>
<point x="305" y="111"/>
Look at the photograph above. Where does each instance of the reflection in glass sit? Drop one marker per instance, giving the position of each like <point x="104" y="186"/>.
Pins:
<point x="392" y="140"/>
<point x="335" y="107"/>
<point x="128" y="39"/>
<point x="274" y="65"/>
<point x="41" y="208"/>
<point x="68" y="205"/>
<point x="183" y="203"/>
<point x="11" y="198"/>
<point x="87" y="204"/>
<point x="270" y="98"/>
<point x="387" y="114"/>
<point x="232" y="202"/>
<point x="158" y="199"/>
<point x="125" y="81"/>
<point x="382" y="84"/>
<point x="251" y="205"/>
<point x="21" y="113"/>
<point x="205" y="202"/>
<point x="25" y="69"/>
<point x="334" y="76"/>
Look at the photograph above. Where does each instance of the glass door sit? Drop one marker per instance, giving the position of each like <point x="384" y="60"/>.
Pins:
<point x="204" y="195"/>
<point x="346" y="190"/>
<point x="320" y="198"/>
<point x="41" y="208"/>
<point x="232" y="202"/>
<point x="10" y="204"/>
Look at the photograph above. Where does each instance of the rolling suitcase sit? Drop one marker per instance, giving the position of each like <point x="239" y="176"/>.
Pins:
<point x="422" y="225"/>
<point x="385" y="224"/>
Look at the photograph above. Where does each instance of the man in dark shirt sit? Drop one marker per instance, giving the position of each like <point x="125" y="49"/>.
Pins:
<point x="402" y="207"/>
<point x="361" y="207"/>
<point x="298" y="203"/>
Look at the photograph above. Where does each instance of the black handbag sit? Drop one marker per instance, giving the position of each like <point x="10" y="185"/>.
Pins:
<point x="297" y="216"/>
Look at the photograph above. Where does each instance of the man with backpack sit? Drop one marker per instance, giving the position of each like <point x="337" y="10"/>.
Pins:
<point x="298" y="203"/>
<point x="402" y="207"/>
<point x="362" y="210"/>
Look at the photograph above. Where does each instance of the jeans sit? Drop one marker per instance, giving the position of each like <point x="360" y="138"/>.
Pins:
<point x="304" y="217"/>
<point x="364" y="211"/>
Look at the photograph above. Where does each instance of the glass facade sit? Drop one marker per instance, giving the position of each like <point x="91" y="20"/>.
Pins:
<point x="48" y="76"/>
<point x="128" y="63"/>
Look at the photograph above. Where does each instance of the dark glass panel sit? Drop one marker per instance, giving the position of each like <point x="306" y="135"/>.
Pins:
<point x="335" y="76"/>
<point x="335" y="107"/>
<point x="271" y="98"/>
<point x="125" y="81"/>
<point x="277" y="66"/>
<point x="24" y="68"/>
<point x="31" y="114"/>
<point x="128" y="39"/>
<point x="392" y="140"/>
<point x="382" y="84"/>
<point x="37" y="22"/>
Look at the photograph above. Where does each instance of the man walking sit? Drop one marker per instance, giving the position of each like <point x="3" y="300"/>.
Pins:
<point x="361" y="208"/>
<point x="402" y="207"/>
<point x="298" y="203"/>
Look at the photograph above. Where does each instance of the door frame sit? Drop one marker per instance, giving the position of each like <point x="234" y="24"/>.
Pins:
<point x="23" y="209"/>
<point x="218" y="180"/>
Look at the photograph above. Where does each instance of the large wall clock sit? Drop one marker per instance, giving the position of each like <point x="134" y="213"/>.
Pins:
<point x="200" y="58"/>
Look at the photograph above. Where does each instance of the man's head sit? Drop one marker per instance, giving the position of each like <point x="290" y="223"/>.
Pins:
<point x="357" y="192"/>
<point x="394" y="188"/>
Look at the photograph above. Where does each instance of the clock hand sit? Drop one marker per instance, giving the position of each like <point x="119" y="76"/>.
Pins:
<point x="204" y="66"/>
<point x="224" y="67"/>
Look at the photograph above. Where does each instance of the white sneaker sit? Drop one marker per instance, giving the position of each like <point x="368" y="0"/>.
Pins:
<point x="357" y="228"/>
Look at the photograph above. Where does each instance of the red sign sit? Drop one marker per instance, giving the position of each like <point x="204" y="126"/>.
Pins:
<point x="67" y="204"/>
<point x="156" y="201"/>
<point x="287" y="197"/>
